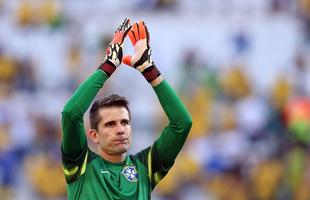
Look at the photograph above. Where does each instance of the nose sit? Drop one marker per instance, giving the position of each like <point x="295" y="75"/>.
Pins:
<point x="120" y="129"/>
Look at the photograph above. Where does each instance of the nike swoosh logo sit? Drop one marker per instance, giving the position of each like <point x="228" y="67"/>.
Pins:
<point x="105" y="171"/>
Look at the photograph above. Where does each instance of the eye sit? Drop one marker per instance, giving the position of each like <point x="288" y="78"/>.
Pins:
<point x="110" y="124"/>
<point x="125" y="122"/>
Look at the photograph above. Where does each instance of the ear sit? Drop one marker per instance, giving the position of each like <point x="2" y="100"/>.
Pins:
<point x="93" y="135"/>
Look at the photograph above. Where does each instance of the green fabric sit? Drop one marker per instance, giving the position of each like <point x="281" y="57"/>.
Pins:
<point x="127" y="180"/>
<point x="173" y="136"/>
<point x="166" y="148"/>
<point x="73" y="137"/>
<point x="89" y="176"/>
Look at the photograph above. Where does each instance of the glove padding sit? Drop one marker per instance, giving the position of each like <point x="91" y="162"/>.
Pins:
<point x="141" y="60"/>
<point x="114" y="53"/>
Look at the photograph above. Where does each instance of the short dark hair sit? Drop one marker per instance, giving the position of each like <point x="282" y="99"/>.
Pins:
<point x="113" y="100"/>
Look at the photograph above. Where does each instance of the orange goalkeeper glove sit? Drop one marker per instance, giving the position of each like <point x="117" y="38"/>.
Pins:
<point x="114" y="53"/>
<point x="141" y="60"/>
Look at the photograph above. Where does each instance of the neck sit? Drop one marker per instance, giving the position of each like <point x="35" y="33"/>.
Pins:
<point x="114" y="158"/>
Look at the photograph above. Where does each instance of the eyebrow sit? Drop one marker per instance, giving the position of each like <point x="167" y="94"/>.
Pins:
<point x="124" y="119"/>
<point x="107" y="122"/>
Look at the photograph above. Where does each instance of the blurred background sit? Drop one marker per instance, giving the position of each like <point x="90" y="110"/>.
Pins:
<point x="241" y="66"/>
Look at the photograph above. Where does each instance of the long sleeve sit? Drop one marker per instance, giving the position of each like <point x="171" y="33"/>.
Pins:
<point x="160" y="157"/>
<point x="73" y="137"/>
<point x="172" y="138"/>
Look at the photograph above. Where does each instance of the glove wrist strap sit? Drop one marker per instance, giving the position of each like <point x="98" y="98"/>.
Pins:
<point x="151" y="73"/>
<point x="108" y="67"/>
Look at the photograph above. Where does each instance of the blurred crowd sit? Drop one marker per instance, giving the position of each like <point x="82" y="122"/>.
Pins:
<point x="241" y="67"/>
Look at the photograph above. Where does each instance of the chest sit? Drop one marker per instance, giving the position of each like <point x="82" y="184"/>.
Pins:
<point x="120" y="177"/>
<point x="128" y="181"/>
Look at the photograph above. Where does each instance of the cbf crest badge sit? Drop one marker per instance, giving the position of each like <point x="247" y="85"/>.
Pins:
<point x="130" y="173"/>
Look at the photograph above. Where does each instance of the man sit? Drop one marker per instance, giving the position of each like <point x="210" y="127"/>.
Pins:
<point x="110" y="173"/>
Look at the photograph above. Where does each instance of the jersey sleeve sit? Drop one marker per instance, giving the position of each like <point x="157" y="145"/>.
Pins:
<point x="74" y="143"/>
<point x="160" y="157"/>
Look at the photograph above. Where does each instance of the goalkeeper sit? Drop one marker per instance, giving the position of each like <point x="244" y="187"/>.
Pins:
<point x="110" y="173"/>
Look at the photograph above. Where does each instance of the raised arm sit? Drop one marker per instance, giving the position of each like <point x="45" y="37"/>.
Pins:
<point x="73" y="138"/>
<point x="172" y="138"/>
<point x="160" y="157"/>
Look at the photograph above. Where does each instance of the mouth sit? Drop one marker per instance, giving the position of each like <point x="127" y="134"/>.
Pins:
<point x="121" y="141"/>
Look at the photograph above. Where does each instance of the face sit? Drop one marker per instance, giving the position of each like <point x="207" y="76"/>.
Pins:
<point x="114" y="131"/>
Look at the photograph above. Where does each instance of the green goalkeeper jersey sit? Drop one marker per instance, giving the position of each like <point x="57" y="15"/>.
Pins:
<point x="89" y="176"/>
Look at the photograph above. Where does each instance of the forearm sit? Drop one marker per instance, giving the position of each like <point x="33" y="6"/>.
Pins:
<point x="174" y="135"/>
<point x="85" y="93"/>
<point x="73" y="137"/>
